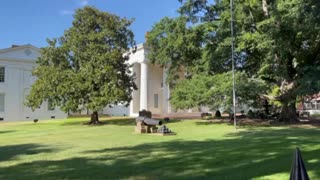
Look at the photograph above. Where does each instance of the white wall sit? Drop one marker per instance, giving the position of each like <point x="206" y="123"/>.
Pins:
<point x="18" y="63"/>
<point x="116" y="110"/>
<point x="154" y="87"/>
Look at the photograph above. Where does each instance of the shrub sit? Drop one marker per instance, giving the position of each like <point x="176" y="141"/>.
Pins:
<point x="250" y="114"/>
<point x="166" y="119"/>
<point x="217" y="114"/>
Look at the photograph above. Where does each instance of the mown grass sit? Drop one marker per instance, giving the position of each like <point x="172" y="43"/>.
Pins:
<point x="66" y="149"/>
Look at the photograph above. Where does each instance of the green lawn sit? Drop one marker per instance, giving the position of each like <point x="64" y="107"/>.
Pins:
<point x="65" y="149"/>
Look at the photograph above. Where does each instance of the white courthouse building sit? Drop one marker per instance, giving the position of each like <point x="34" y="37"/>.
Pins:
<point x="17" y="63"/>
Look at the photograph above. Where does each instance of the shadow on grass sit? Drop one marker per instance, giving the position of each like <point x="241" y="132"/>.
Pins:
<point x="8" y="131"/>
<point x="172" y="121"/>
<point x="132" y="122"/>
<point x="244" y="123"/>
<point x="244" y="155"/>
<point x="12" y="151"/>
<point x="211" y="122"/>
<point x="111" y="121"/>
<point x="120" y="122"/>
<point x="252" y="123"/>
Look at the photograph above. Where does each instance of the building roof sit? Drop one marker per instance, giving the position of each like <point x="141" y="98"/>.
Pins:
<point x="17" y="47"/>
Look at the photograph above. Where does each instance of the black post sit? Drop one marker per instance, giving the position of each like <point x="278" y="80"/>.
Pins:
<point x="298" y="170"/>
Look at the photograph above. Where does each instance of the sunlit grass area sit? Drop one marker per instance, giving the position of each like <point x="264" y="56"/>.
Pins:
<point x="66" y="149"/>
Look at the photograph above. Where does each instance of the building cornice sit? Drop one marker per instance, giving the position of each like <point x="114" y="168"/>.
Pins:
<point x="19" y="48"/>
<point x="10" y="59"/>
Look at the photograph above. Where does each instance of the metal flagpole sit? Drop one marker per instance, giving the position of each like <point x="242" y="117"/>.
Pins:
<point x="232" y="56"/>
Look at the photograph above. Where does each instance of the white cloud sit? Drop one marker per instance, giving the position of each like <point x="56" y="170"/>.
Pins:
<point x="84" y="2"/>
<point x="79" y="3"/>
<point x="66" y="12"/>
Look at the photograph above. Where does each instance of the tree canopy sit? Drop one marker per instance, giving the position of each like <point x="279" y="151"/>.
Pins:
<point x="86" y="67"/>
<point x="216" y="91"/>
<point x="276" y="41"/>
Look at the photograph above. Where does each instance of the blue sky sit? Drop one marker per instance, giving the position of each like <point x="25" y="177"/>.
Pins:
<point x="32" y="21"/>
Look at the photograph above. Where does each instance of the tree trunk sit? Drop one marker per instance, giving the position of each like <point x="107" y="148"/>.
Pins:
<point x="288" y="99"/>
<point x="94" y="118"/>
<point x="288" y="113"/>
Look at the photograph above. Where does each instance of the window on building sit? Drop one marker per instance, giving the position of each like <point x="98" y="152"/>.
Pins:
<point x="50" y="106"/>
<point x="318" y="106"/>
<point x="156" y="100"/>
<point x="2" y="103"/>
<point x="2" y="74"/>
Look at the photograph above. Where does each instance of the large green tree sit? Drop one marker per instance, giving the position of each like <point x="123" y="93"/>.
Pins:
<point x="277" y="41"/>
<point x="86" y="67"/>
<point x="216" y="91"/>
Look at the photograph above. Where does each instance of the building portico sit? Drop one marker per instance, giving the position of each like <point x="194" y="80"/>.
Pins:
<point x="153" y="92"/>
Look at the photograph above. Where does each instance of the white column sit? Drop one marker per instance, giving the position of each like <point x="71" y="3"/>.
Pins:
<point x="144" y="86"/>
<point x="166" y="93"/>
<point x="131" y="102"/>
